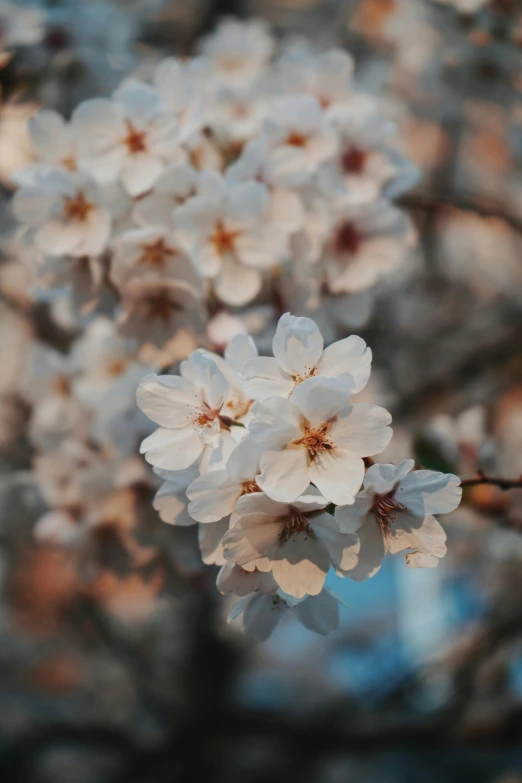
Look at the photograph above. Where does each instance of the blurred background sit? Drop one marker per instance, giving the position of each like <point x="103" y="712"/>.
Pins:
<point x="125" y="671"/>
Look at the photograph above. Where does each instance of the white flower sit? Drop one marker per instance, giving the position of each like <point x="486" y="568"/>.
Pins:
<point x="317" y="436"/>
<point x="152" y="252"/>
<point x="154" y="310"/>
<point x="327" y="76"/>
<point x="214" y="495"/>
<point x="53" y="145"/>
<point x="365" y="168"/>
<point x="365" y="243"/>
<point x="393" y="512"/>
<point x="176" y="185"/>
<point x="298" y="355"/>
<point x="261" y="613"/>
<point x="67" y="213"/>
<point x="189" y="412"/>
<point x="297" y="541"/>
<point x="299" y="139"/>
<point x="237" y="52"/>
<point x="228" y="237"/>
<point x="20" y="26"/>
<point x="131" y="136"/>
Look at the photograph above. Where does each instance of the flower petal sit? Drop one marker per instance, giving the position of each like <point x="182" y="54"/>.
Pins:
<point x="168" y="400"/>
<point x="338" y="475"/>
<point x="172" y="449"/>
<point x="284" y="473"/>
<point x="362" y="429"/>
<point x="212" y="496"/>
<point x="297" y="344"/>
<point x="348" y="360"/>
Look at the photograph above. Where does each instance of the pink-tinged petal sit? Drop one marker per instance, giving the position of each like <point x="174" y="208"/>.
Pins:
<point x="300" y="566"/>
<point x="362" y="429"/>
<point x="172" y="449"/>
<point x="428" y="492"/>
<point x="297" y="345"/>
<point x="264" y="378"/>
<point x="372" y="551"/>
<point x="348" y="360"/>
<point x="213" y="496"/>
<point x="341" y="547"/>
<point x="96" y="234"/>
<point x="320" y="399"/>
<point x="276" y="422"/>
<point x="319" y="613"/>
<point x="234" y="579"/>
<point x="338" y="475"/>
<point x="284" y="473"/>
<point x="252" y="538"/>
<point x="168" y="400"/>
<point x="210" y="538"/>
<point x="409" y="532"/>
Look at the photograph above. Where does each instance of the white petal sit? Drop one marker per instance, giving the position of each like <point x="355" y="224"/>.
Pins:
<point x="426" y="536"/>
<point x="381" y="478"/>
<point x="300" y="566"/>
<point x="261" y="616"/>
<point x="348" y="360"/>
<point x="372" y="551"/>
<point x="243" y="463"/>
<point x="33" y="205"/>
<point x="237" y="285"/>
<point x="338" y="475"/>
<point x="319" y="613"/>
<point x="140" y="172"/>
<point x="297" y="344"/>
<point x="252" y="538"/>
<point x="172" y="449"/>
<point x="341" y="547"/>
<point x="275" y="422"/>
<point x="264" y="378"/>
<point x="418" y="560"/>
<point x="168" y="400"/>
<point x="239" y="350"/>
<point x="210" y="539"/>
<point x="171" y="505"/>
<point x="284" y="473"/>
<point x="362" y="429"/>
<point x="213" y="496"/>
<point x="320" y="399"/>
<point x="350" y="518"/>
<point x="428" y="492"/>
<point x="208" y="377"/>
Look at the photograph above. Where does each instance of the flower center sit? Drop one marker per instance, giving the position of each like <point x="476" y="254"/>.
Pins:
<point x="135" y="140"/>
<point x="385" y="508"/>
<point x="353" y="160"/>
<point x="347" y="239"/>
<point x="295" y="139"/>
<point x="224" y="239"/>
<point x="230" y="63"/>
<point x="206" y="416"/>
<point x="156" y="253"/>
<point x="77" y="207"/>
<point x="316" y="440"/>
<point x="249" y="487"/>
<point x="159" y="305"/>
<point x="296" y="522"/>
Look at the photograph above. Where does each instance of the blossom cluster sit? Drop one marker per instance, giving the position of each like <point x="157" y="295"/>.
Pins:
<point x="267" y="455"/>
<point x="247" y="176"/>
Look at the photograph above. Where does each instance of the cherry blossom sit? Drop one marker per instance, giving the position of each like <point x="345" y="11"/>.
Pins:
<point x="298" y="355"/>
<point x="297" y="542"/>
<point x="394" y="512"/>
<point x="317" y="436"/>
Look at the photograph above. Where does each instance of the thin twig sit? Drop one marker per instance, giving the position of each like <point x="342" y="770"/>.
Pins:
<point x="496" y="481"/>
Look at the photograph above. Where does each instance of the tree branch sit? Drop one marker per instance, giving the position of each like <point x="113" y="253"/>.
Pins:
<point x="496" y="481"/>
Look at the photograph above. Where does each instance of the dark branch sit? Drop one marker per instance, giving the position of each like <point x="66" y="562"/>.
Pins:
<point x="496" y="481"/>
